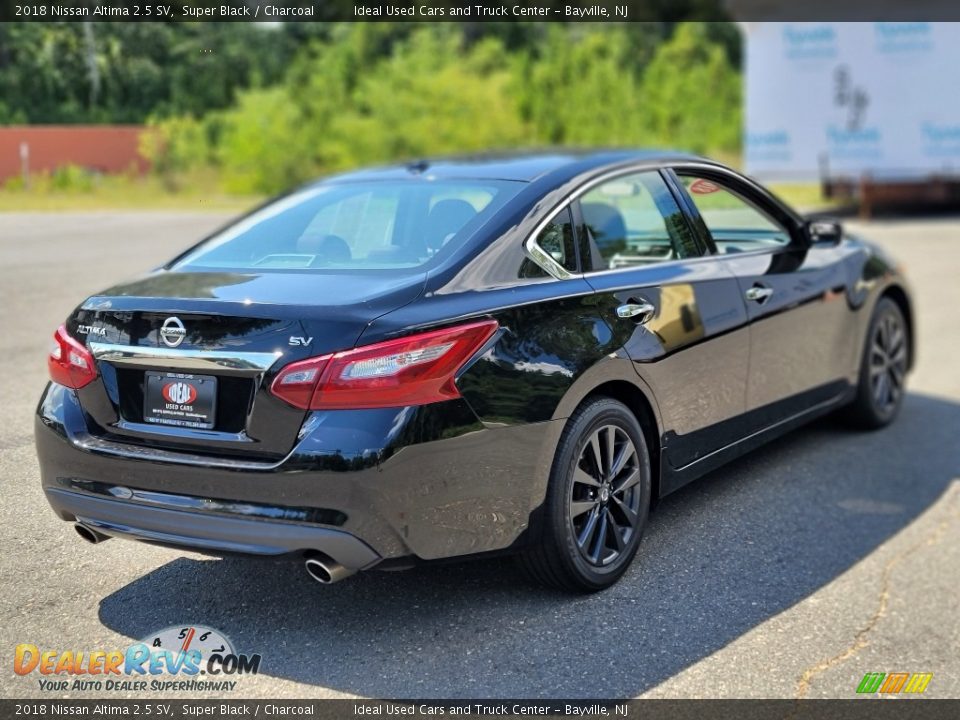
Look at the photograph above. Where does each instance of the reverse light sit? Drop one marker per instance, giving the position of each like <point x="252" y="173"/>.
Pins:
<point x="69" y="362"/>
<point x="413" y="370"/>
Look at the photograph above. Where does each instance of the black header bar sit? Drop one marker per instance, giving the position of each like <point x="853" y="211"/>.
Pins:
<point x="473" y="11"/>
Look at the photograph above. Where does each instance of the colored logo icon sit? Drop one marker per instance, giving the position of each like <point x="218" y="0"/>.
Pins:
<point x="181" y="393"/>
<point x="892" y="683"/>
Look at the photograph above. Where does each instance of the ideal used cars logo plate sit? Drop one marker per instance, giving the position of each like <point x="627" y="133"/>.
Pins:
<point x="179" y="393"/>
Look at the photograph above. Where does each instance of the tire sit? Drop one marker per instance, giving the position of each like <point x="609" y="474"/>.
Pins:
<point x="883" y="369"/>
<point x="593" y="522"/>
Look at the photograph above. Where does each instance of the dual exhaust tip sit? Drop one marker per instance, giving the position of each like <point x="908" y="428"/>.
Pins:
<point x="325" y="570"/>
<point x="320" y="567"/>
<point x="89" y="534"/>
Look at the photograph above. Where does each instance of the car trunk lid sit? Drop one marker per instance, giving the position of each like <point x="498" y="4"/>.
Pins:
<point x="185" y="359"/>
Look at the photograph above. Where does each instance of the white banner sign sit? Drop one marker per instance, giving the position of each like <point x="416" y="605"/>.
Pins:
<point x="852" y="100"/>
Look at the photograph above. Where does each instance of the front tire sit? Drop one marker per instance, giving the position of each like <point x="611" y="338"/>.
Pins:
<point x="883" y="368"/>
<point x="598" y="500"/>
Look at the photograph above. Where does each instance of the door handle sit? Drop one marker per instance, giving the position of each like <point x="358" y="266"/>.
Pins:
<point x="758" y="293"/>
<point x="639" y="312"/>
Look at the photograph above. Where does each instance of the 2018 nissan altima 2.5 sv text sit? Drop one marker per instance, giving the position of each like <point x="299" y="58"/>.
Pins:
<point x="512" y="354"/>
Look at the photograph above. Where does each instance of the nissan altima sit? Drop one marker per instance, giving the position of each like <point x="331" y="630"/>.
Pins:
<point x="459" y="357"/>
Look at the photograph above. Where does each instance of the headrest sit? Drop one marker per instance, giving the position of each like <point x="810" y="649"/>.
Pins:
<point x="446" y="218"/>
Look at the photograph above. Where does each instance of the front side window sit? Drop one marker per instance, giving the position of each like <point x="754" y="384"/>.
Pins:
<point x="635" y="220"/>
<point x="366" y="226"/>
<point x="735" y="224"/>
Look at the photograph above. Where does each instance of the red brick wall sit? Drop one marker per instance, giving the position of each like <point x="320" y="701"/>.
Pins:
<point x="104" y="148"/>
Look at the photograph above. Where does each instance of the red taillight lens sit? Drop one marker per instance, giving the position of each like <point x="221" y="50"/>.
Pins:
<point x="414" y="370"/>
<point x="69" y="362"/>
<point x="297" y="382"/>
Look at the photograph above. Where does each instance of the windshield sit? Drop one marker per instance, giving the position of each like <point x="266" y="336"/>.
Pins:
<point x="370" y="225"/>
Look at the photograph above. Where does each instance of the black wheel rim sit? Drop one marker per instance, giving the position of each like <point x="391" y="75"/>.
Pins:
<point x="888" y="362"/>
<point x="605" y="496"/>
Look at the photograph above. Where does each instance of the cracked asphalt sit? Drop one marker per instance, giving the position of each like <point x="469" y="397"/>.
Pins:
<point x="789" y="573"/>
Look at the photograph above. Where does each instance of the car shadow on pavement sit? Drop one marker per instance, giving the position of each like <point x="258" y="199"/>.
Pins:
<point x="721" y="556"/>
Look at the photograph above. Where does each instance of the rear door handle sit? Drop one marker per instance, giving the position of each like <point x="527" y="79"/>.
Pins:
<point x="639" y="311"/>
<point x="758" y="293"/>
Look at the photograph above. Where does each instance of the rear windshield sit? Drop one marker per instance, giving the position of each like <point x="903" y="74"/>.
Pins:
<point x="369" y="225"/>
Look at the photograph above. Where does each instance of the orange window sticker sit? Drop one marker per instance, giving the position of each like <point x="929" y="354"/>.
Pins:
<point x="703" y="187"/>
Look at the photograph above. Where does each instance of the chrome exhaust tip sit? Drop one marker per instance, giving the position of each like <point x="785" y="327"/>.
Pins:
<point x="326" y="570"/>
<point x="89" y="534"/>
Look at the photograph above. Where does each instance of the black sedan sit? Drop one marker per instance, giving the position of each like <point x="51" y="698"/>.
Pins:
<point x="516" y="354"/>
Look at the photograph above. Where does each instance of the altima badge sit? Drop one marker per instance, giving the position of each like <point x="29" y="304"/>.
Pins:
<point x="172" y="332"/>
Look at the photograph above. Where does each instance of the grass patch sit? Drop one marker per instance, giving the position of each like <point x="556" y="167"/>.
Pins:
<point x="70" y="189"/>
<point x="67" y="190"/>
<point x="804" y="197"/>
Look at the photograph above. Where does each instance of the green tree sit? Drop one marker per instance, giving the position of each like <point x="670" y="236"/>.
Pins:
<point x="583" y="88"/>
<point x="264" y="146"/>
<point x="73" y="72"/>
<point x="345" y="105"/>
<point x="430" y="97"/>
<point x="692" y="94"/>
<point x="271" y="107"/>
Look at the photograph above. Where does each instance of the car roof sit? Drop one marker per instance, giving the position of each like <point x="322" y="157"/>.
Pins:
<point x="521" y="166"/>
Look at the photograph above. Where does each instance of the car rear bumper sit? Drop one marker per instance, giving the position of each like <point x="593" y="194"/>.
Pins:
<point x="208" y="532"/>
<point x="359" y="487"/>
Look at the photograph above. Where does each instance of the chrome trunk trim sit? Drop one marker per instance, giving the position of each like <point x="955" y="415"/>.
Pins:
<point x="248" y="363"/>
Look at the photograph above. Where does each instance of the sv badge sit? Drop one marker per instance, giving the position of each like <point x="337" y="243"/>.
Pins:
<point x="300" y="341"/>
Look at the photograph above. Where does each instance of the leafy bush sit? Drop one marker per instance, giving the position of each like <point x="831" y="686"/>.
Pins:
<point x="264" y="146"/>
<point x="429" y="98"/>
<point x="71" y="178"/>
<point x="15" y="184"/>
<point x="66" y="179"/>
<point x="175" y="146"/>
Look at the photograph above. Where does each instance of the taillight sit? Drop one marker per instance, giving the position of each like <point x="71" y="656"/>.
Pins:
<point x="413" y="370"/>
<point x="69" y="362"/>
<point x="297" y="382"/>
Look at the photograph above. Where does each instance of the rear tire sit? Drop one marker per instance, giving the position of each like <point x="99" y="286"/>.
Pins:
<point x="598" y="500"/>
<point x="883" y="368"/>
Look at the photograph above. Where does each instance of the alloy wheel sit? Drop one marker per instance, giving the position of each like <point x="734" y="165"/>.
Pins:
<point x="604" y="506"/>
<point x="888" y="362"/>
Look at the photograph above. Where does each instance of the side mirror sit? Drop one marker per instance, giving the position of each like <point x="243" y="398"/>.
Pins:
<point x="823" y="232"/>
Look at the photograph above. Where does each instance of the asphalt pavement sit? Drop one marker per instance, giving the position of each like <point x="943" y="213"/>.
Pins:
<point x="789" y="573"/>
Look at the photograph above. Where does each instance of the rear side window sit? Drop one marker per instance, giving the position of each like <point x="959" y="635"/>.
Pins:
<point x="370" y="225"/>
<point x="557" y="240"/>
<point x="634" y="220"/>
